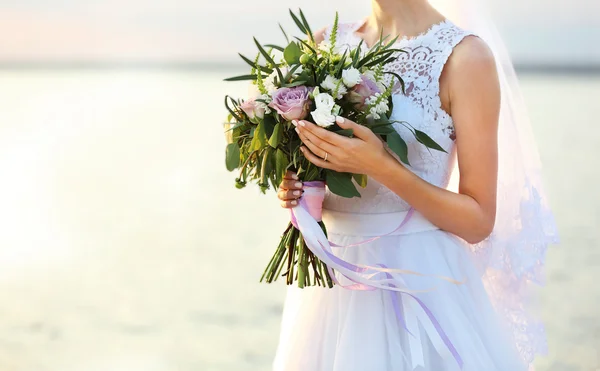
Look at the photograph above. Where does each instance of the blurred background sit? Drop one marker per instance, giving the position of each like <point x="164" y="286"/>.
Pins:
<point x="123" y="242"/>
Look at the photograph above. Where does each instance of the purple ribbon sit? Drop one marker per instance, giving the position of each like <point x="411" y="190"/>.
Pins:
<point x="305" y="218"/>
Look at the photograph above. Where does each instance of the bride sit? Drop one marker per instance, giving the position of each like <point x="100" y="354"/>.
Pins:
<point x="487" y="237"/>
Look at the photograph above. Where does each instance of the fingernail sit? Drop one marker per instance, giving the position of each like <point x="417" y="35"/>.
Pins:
<point x="296" y="193"/>
<point x="301" y="123"/>
<point x="295" y="123"/>
<point x="297" y="130"/>
<point x="302" y="149"/>
<point x="294" y="202"/>
<point x="339" y="119"/>
<point x="295" y="176"/>
<point x="298" y="185"/>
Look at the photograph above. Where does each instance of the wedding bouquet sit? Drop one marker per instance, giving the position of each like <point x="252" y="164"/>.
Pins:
<point x="316" y="82"/>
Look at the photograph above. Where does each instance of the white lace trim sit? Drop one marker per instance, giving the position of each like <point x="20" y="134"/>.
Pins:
<point x="420" y="66"/>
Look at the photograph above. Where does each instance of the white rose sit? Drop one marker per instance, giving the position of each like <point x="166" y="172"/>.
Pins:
<point x="324" y="102"/>
<point x="351" y="77"/>
<point x="323" y="117"/>
<point x="329" y="83"/>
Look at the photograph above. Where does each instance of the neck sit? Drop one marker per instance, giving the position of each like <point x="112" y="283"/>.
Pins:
<point x="402" y="17"/>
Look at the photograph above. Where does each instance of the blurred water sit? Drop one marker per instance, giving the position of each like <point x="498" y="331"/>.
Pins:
<point x="125" y="246"/>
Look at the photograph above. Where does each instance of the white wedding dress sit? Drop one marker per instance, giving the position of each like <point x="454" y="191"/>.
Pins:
<point x="344" y="330"/>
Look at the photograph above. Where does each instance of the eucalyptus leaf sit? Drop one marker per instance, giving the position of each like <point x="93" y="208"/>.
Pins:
<point x="269" y="125"/>
<point x="260" y="137"/>
<point x="232" y="156"/>
<point x="398" y="145"/>
<point x="341" y="184"/>
<point x="427" y="141"/>
<point x="292" y="53"/>
<point x="276" y="136"/>
<point x="382" y="129"/>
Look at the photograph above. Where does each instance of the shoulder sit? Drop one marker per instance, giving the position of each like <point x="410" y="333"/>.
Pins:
<point x="472" y="57"/>
<point x="472" y="66"/>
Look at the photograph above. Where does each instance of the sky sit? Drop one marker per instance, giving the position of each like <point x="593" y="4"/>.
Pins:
<point x="536" y="31"/>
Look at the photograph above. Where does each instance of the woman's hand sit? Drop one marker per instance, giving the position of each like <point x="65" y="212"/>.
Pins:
<point x="360" y="154"/>
<point x="290" y="190"/>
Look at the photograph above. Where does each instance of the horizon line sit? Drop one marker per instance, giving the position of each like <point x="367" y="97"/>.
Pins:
<point x="526" y="67"/>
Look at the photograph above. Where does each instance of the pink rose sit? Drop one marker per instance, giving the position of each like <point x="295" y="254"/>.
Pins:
<point x="360" y="92"/>
<point x="253" y="109"/>
<point x="291" y="103"/>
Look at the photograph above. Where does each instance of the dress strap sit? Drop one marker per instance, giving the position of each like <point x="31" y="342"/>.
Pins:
<point x="447" y="39"/>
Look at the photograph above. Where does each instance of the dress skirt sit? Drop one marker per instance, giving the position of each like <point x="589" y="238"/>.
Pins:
<point x="339" y="329"/>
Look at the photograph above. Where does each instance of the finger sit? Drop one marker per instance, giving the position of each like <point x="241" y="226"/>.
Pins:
<point x="322" y="133"/>
<point x="317" y="160"/>
<point x="316" y="144"/>
<point x="313" y="148"/>
<point x="360" y="131"/>
<point x="288" y="195"/>
<point x="289" y="204"/>
<point x="290" y="184"/>
<point x="290" y="175"/>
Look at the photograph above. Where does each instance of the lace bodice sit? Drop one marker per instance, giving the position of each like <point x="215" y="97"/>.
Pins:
<point x="421" y="107"/>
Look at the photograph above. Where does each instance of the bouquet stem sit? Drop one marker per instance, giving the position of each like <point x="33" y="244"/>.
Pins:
<point x="293" y="254"/>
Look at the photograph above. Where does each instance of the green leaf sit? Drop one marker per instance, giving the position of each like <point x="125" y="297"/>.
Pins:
<point x="306" y="44"/>
<point x="269" y="59"/>
<point x="275" y="138"/>
<point x="260" y="137"/>
<point x="234" y="114"/>
<point x="398" y="145"/>
<point x="306" y="26"/>
<point x="361" y="179"/>
<point x="281" y="164"/>
<point x="427" y="141"/>
<point x="276" y="47"/>
<point x="284" y="33"/>
<point x="298" y="23"/>
<point x="253" y="65"/>
<point x="241" y="78"/>
<point x="357" y="53"/>
<point x="292" y="53"/>
<point x="232" y="156"/>
<point x="400" y="79"/>
<point x="346" y="132"/>
<point x="269" y="125"/>
<point x="341" y="184"/>
<point x="383" y="129"/>
<point x="295" y="83"/>
<point x="383" y="56"/>
<point x="338" y="70"/>
<point x="291" y="72"/>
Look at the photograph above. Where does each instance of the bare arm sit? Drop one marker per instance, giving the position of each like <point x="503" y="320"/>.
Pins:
<point x="474" y="96"/>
